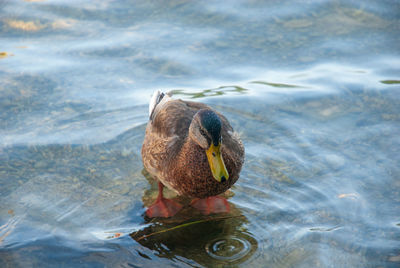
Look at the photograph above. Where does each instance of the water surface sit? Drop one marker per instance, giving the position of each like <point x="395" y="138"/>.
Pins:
<point x="312" y="88"/>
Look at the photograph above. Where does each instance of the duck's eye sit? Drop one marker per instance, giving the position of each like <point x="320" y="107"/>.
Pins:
<point x="203" y="133"/>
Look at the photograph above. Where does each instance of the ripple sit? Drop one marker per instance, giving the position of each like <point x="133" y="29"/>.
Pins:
<point x="229" y="248"/>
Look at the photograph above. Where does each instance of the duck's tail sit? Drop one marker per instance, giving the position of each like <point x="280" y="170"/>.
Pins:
<point x="157" y="97"/>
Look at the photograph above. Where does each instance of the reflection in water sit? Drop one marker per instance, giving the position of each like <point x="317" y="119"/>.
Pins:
<point x="209" y="241"/>
<point x="29" y="26"/>
<point x="390" y="82"/>
<point x="222" y="90"/>
<point x="279" y="85"/>
<point x="4" y="54"/>
<point x="228" y="248"/>
<point x="8" y="227"/>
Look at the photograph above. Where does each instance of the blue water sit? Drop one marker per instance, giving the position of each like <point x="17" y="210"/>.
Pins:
<point x="311" y="87"/>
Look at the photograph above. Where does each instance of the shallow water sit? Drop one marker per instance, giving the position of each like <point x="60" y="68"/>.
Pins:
<point x="312" y="88"/>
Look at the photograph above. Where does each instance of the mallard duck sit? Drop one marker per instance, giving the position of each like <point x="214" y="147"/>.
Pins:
<point x="191" y="149"/>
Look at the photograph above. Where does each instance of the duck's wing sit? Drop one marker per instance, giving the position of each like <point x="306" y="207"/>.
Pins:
<point x="166" y="132"/>
<point x="171" y="117"/>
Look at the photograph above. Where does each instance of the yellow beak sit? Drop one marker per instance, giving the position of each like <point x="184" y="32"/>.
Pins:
<point x="216" y="162"/>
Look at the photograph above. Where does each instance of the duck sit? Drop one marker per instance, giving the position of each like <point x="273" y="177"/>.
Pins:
<point x="193" y="150"/>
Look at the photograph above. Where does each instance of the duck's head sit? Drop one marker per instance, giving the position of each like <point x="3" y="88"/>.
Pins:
<point x="205" y="130"/>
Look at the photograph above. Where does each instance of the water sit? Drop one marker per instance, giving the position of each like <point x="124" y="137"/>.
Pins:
<point x="312" y="88"/>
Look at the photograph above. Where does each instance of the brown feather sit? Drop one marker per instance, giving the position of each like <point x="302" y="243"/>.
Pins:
<point x="177" y="161"/>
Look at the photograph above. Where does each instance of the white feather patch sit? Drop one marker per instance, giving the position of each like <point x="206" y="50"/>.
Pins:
<point x="154" y="100"/>
<point x="158" y="99"/>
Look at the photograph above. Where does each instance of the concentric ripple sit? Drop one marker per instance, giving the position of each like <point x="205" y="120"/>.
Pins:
<point x="229" y="248"/>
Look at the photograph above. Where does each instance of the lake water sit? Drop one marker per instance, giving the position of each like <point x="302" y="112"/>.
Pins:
<point x="313" y="88"/>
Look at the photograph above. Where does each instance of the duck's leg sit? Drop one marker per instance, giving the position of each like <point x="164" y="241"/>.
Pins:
<point x="212" y="204"/>
<point x="163" y="207"/>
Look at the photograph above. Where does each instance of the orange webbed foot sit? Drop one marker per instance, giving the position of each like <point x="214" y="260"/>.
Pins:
<point x="210" y="205"/>
<point x="163" y="207"/>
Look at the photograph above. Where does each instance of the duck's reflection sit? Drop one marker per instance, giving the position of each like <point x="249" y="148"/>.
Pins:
<point x="211" y="240"/>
